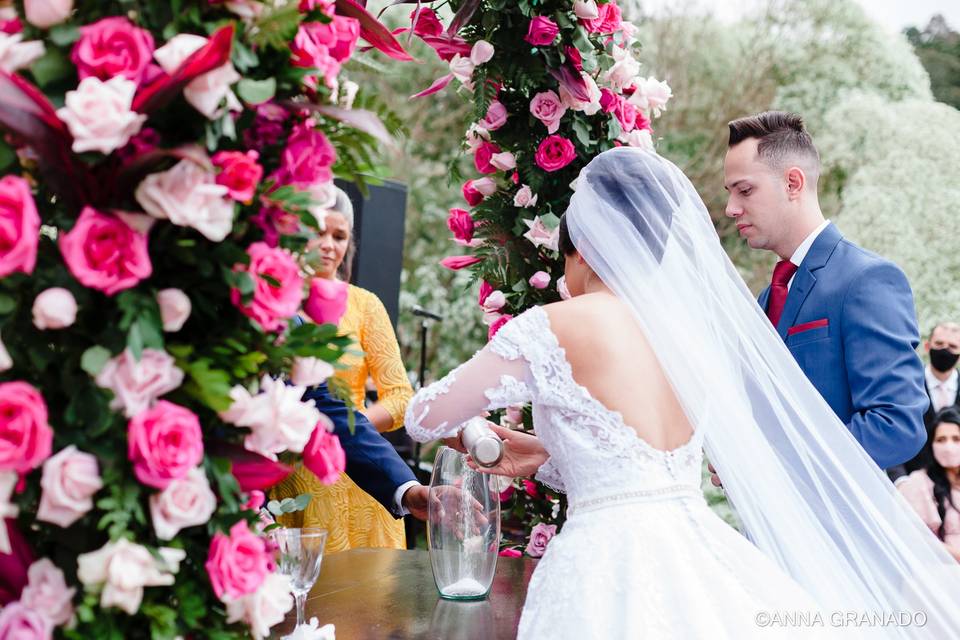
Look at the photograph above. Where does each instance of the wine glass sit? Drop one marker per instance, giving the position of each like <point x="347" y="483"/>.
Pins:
<point x="299" y="552"/>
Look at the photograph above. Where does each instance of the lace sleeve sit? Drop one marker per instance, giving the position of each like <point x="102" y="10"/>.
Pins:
<point x="497" y="376"/>
<point x="550" y="475"/>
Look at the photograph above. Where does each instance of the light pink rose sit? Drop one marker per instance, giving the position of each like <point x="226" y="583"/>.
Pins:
<point x="239" y="563"/>
<point x="239" y="173"/>
<point x="504" y="161"/>
<point x="43" y="14"/>
<point x="554" y="153"/>
<point x="208" y="90"/>
<point x="607" y="20"/>
<point x="624" y="70"/>
<point x="277" y="417"/>
<point x="70" y="480"/>
<point x="524" y="197"/>
<point x="188" y="195"/>
<point x="542" y="31"/>
<point x="20" y="622"/>
<point x="137" y="384"/>
<point x="307" y="158"/>
<point x="514" y="414"/>
<point x="462" y="69"/>
<point x="461" y="225"/>
<point x="175" y="309"/>
<point x="547" y="108"/>
<point x="54" y="308"/>
<point x="186" y="502"/>
<point x="246" y="9"/>
<point x="494" y="302"/>
<point x="265" y="607"/>
<point x="476" y="135"/>
<point x="25" y="436"/>
<point x="164" y="443"/>
<point x="19" y="226"/>
<point x="540" y="235"/>
<point x="104" y="253"/>
<point x="562" y="288"/>
<point x="272" y="304"/>
<point x="540" y="537"/>
<point x="123" y="569"/>
<point x="651" y="95"/>
<point x="15" y="54"/>
<point x="588" y="108"/>
<point x="327" y="301"/>
<point x="640" y="138"/>
<point x="310" y="371"/>
<point x="111" y="47"/>
<point x="586" y="9"/>
<point x="496" y="326"/>
<point x="495" y="118"/>
<point x="540" y="280"/>
<point x="481" y="52"/>
<point x="323" y="455"/>
<point x="99" y="114"/>
<point x="47" y="592"/>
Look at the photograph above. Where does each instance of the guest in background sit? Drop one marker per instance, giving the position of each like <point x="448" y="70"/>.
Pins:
<point x="934" y="492"/>
<point x="352" y="518"/>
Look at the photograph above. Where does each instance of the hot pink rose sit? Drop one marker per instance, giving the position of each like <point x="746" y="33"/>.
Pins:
<point x="507" y="493"/>
<point x="137" y="383"/>
<point x="496" y="326"/>
<point x="346" y="33"/>
<point x="25" y="435"/>
<point x="111" y="47"/>
<point x="307" y="158"/>
<point x="608" y="100"/>
<point x="626" y="114"/>
<point x="427" y="23"/>
<point x="456" y="263"/>
<point x="175" y="308"/>
<point x="255" y="500"/>
<point x="547" y="108"/>
<point x="511" y="553"/>
<point x="43" y="14"/>
<point x="530" y="487"/>
<point x="485" y="290"/>
<point x="496" y="116"/>
<point x="325" y="46"/>
<point x="461" y="225"/>
<point x="20" y="622"/>
<point x="607" y="21"/>
<point x="164" y="443"/>
<point x="542" y="31"/>
<point x="327" y="301"/>
<point x="104" y="253"/>
<point x="474" y="191"/>
<point x="272" y="304"/>
<point x="47" y="592"/>
<point x="70" y="479"/>
<point x="482" y="156"/>
<point x="238" y="564"/>
<point x="54" y="308"/>
<point x="239" y="173"/>
<point x="323" y="455"/>
<point x="540" y="537"/>
<point x="186" y="502"/>
<point x="554" y="153"/>
<point x="19" y="226"/>
<point x="540" y="280"/>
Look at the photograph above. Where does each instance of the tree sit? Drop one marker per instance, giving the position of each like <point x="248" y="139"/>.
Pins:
<point x="938" y="47"/>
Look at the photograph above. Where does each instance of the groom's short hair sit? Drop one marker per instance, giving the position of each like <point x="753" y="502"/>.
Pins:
<point x="782" y="140"/>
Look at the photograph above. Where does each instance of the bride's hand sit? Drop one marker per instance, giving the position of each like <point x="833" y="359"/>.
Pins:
<point x="522" y="454"/>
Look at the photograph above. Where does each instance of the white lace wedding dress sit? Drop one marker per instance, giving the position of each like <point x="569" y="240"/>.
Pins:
<point x="641" y="554"/>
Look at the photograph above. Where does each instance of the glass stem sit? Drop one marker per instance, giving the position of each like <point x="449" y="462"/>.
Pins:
<point x="301" y="599"/>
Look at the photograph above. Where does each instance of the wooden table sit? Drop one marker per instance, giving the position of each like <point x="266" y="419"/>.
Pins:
<point x="389" y="594"/>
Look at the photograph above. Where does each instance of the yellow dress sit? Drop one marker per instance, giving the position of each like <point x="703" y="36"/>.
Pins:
<point x="352" y="518"/>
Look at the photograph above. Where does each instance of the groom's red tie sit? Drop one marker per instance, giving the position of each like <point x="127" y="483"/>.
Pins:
<point x="778" y="289"/>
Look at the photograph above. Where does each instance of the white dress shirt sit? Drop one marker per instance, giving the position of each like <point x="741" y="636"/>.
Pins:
<point x="398" y="496"/>
<point x="943" y="393"/>
<point x="804" y="247"/>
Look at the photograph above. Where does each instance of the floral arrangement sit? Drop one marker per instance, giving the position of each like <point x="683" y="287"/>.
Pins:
<point x="553" y="83"/>
<point x="151" y="260"/>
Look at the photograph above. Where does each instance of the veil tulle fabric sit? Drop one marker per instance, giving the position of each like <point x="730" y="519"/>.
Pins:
<point x="807" y="493"/>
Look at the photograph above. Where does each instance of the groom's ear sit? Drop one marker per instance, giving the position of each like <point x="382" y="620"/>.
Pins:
<point x="796" y="181"/>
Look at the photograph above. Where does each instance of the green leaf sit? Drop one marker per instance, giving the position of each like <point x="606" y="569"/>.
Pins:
<point x="7" y="304"/>
<point x="94" y="358"/>
<point x="301" y="501"/>
<point x="208" y="385"/>
<point x="256" y="91"/>
<point x="273" y="282"/>
<point x="7" y="155"/>
<point x="244" y="283"/>
<point x="274" y="507"/>
<point x="135" y="340"/>
<point x="64" y="34"/>
<point x="550" y="220"/>
<point x="50" y="67"/>
<point x="582" y="131"/>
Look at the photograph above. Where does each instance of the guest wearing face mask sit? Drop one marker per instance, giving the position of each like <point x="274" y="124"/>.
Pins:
<point x="934" y="492"/>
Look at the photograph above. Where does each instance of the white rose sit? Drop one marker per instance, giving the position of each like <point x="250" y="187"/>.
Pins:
<point x="263" y="608"/>
<point x="277" y="418"/>
<point x="54" y="308"/>
<point x="186" y="502"/>
<point x="246" y="9"/>
<point x="47" y="592"/>
<point x="525" y="197"/>
<point x="651" y="94"/>
<point x="99" y="114"/>
<point x="207" y="91"/>
<point x="70" y="480"/>
<point x="637" y="138"/>
<point x="174" y="308"/>
<point x="177" y="49"/>
<point x="16" y="54"/>
<point x="309" y="372"/>
<point x="123" y="569"/>
<point x="350" y="89"/>
<point x="136" y="384"/>
<point x="188" y="196"/>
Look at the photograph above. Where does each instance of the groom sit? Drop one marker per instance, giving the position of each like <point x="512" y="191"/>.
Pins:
<point x="846" y="314"/>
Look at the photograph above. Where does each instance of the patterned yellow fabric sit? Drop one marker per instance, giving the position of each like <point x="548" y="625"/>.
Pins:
<point x="352" y="518"/>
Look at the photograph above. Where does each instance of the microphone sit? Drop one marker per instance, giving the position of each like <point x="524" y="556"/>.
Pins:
<point x="423" y="313"/>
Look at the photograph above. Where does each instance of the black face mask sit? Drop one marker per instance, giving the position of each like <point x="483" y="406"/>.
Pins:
<point x="943" y="360"/>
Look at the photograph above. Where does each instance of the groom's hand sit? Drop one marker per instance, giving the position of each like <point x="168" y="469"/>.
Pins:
<point x="415" y="501"/>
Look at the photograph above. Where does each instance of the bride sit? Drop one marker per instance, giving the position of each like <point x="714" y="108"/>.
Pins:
<point x="661" y="353"/>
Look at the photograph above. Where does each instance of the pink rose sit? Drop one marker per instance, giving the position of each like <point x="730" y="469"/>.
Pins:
<point x="239" y="563"/>
<point x="175" y="309"/>
<point x="461" y="225"/>
<point x="511" y="553"/>
<point x="266" y="607"/>
<point x="540" y="280"/>
<point x="540" y="537"/>
<point x="496" y="116"/>
<point x="514" y="414"/>
<point x="207" y="91"/>
<point x="455" y="263"/>
<point x="25" y="435"/>
<point x="100" y="115"/>
<point x="137" y="384"/>
<point x="307" y="159"/>
<point x="547" y="108"/>
<point x="104" y="253"/>
<point x="507" y="493"/>
<point x="346" y="33"/>
<point x="310" y="371"/>
<point x="20" y="622"/>
<point x="588" y="108"/>
<point x="524" y="197"/>
<point x="474" y="191"/>
<point x="586" y="9"/>
<point x="272" y="304"/>
<point x="427" y="23"/>
<point x="43" y="14"/>
<point x="325" y="46"/>
<point x="112" y="47"/>
<point x="462" y="69"/>
<point x="70" y="480"/>
<point x="540" y="235"/>
<point x="496" y="326"/>
<point x="481" y="52"/>
<point x="54" y="308"/>
<point x="255" y="500"/>
<point x="504" y="161"/>
<point x="239" y="173"/>
<point x="164" y="443"/>
<point x="624" y="70"/>
<point x="530" y="488"/>
<point x="626" y="114"/>
<point x="327" y="301"/>
<point x="554" y="153"/>
<point x="47" y="592"/>
<point x="277" y="417"/>
<point x="188" y="195"/>
<point x="651" y="94"/>
<point x="608" y="100"/>
<point x="485" y="290"/>
<point x="542" y="31"/>
<point x="482" y="156"/>
<point x="185" y="502"/>
<point x="494" y="301"/>
<point x="323" y="455"/>
<point x="607" y="20"/>
<point x="562" y="288"/>
<point x="19" y="226"/>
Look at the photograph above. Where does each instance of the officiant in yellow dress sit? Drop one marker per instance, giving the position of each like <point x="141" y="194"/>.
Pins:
<point x="353" y="518"/>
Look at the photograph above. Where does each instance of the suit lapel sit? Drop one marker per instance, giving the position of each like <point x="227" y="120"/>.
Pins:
<point x="805" y="280"/>
<point x="764" y="298"/>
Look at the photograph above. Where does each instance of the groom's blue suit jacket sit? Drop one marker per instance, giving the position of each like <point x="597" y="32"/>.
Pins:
<point x="850" y="322"/>
<point x="372" y="462"/>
